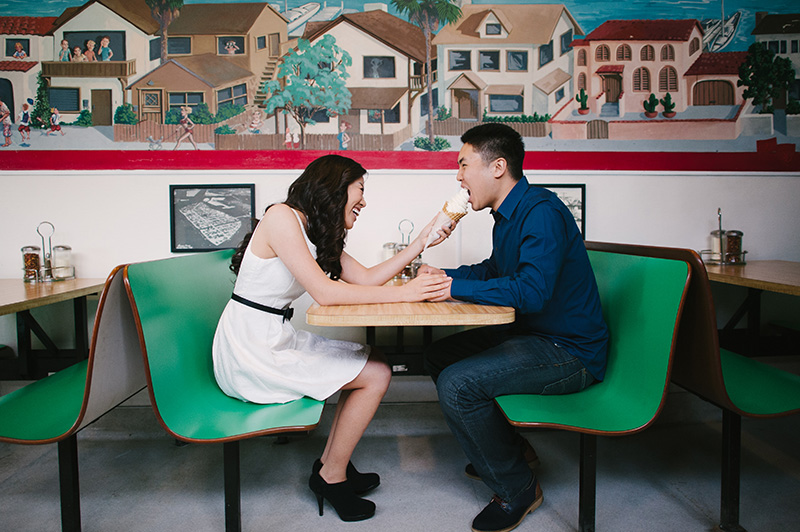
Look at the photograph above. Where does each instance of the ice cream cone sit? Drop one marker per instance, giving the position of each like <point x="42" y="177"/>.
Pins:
<point x="442" y="218"/>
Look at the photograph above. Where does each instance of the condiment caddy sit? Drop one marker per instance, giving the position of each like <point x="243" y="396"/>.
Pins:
<point x="726" y="246"/>
<point x="52" y="264"/>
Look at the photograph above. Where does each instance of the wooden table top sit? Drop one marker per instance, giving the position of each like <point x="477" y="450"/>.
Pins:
<point x="408" y="314"/>
<point x="17" y="295"/>
<point x="772" y="275"/>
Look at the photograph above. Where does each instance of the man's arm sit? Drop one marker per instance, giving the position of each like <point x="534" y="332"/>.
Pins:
<point x="530" y="285"/>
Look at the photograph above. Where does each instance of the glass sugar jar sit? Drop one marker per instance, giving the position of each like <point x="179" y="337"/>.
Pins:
<point x="62" y="263"/>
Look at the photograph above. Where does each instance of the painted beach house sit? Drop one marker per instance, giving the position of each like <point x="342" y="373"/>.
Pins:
<point x="503" y="60"/>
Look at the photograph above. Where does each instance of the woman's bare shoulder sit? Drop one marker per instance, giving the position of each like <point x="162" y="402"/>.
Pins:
<point x="282" y="217"/>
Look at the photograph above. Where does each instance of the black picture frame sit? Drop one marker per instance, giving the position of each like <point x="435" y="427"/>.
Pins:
<point x="573" y="195"/>
<point x="210" y="217"/>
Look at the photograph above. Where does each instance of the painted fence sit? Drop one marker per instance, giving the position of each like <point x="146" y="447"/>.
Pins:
<point x="454" y="127"/>
<point x="312" y="141"/>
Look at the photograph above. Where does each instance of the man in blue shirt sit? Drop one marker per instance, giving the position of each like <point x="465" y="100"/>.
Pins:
<point x="558" y="342"/>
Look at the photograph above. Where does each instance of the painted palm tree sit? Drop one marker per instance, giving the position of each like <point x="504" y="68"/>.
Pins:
<point x="429" y="15"/>
<point x="164" y="12"/>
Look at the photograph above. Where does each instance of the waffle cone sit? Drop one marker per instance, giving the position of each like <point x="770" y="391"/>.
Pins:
<point x="455" y="216"/>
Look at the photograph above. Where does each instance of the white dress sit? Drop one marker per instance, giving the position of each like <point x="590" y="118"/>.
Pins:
<point x="260" y="358"/>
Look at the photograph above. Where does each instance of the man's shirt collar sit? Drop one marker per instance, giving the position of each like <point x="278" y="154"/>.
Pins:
<point x="512" y="200"/>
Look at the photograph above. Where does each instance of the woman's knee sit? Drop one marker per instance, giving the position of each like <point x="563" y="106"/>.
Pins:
<point x="377" y="371"/>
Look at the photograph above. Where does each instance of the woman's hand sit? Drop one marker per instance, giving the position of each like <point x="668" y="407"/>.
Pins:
<point x="444" y="231"/>
<point x="425" y="287"/>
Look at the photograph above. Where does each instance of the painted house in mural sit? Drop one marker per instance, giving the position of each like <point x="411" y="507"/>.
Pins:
<point x="506" y="60"/>
<point x="100" y="86"/>
<point x="781" y="34"/>
<point x="386" y="76"/>
<point x="18" y="77"/>
<point x="622" y="62"/>
<point x="218" y="54"/>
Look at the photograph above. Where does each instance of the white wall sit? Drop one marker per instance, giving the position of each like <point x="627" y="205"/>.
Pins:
<point x="110" y="218"/>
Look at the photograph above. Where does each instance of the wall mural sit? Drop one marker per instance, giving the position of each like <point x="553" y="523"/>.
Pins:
<point x="576" y="76"/>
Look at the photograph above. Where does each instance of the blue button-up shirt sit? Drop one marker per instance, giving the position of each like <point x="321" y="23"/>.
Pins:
<point x="540" y="267"/>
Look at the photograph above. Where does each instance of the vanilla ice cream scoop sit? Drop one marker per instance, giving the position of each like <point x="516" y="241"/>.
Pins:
<point x="453" y="210"/>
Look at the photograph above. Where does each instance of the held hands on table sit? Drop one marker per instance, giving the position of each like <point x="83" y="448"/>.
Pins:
<point x="431" y="284"/>
<point x="429" y="272"/>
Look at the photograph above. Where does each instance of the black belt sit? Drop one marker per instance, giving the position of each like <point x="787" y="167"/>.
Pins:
<point x="287" y="312"/>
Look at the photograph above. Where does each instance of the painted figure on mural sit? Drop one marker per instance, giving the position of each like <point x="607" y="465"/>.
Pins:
<point x="287" y="139"/>
<point x="25" y="123"/>
<point x="185" y="127"/>
<point x="89" y="54"/>
<point x="343" y="137"/>
<point x="64" y="54"/>
<point x="5" y="118"/>
<point x="55" y="122"/>
<point x="231" y="47"/>
<point x="19" y="51"/>
<point x="255" y="122"/>
<point x="105" y="52"/>
<point x="77" y="55"/>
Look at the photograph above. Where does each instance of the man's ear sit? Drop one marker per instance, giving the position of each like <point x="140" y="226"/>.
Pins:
<point x="499" y="167"/>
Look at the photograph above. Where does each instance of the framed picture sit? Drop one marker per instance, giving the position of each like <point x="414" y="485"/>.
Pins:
<point x="210" y="217"/>
<point x="574" y="197"/>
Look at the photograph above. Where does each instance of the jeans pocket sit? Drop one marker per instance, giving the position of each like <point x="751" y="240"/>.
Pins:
<point x="570" y="384"/>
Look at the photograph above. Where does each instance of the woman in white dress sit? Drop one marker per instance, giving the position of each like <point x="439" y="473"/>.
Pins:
<point x="298" y="246"/>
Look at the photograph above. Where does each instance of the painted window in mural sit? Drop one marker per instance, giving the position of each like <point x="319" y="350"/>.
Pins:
<point x="378" y="67"/>
<point x="517" y="61"/>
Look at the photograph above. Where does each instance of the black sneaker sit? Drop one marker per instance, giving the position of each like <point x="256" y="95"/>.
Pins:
<point x="502" y="516"/>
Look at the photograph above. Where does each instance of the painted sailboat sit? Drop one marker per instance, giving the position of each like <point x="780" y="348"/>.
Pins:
<point x="718" y="33"/>
<point x="298" y="16"/>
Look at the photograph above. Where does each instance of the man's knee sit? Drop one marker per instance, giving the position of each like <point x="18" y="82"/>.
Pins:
<point x="456" y="389"/>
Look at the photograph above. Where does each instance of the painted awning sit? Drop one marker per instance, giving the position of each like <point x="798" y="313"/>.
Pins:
<point x="552" y="81"/>
<point x="17" y="66"/>
<point x="610" y="69"/>
<point x="375" y="97"/>
<point x="468" y="81"/>
<point x="513" y="90"/>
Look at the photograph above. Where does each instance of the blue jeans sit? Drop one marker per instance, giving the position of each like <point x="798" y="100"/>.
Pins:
<point x="473" y="367"/>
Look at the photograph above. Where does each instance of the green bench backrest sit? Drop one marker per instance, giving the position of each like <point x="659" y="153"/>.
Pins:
<point x="641" y="298"/>
<point x="177" y="303"/>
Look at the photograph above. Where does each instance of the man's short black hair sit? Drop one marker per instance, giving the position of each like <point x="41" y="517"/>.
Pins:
<point x="494" y="140"/>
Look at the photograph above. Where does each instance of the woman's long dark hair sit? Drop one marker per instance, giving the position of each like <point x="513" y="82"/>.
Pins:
<point x="320" y="193"/>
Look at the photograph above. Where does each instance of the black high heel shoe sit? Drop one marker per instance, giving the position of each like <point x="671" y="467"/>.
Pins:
<point x="347" y="504"/>
<point x="360" y="482"/>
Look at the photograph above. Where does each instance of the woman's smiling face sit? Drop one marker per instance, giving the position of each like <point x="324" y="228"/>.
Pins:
<point x="355" y="202"/>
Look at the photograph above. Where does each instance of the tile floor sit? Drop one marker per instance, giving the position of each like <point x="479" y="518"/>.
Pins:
<point x="134" y="478"/>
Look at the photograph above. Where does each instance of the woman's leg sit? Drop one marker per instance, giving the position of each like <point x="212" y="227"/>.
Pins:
<point x="356" y="407"/>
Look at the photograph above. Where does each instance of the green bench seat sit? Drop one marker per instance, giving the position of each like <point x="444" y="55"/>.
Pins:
<point x="55" y="408"/>
<point x="177" y="303"/>
<point x="642" y="299"/>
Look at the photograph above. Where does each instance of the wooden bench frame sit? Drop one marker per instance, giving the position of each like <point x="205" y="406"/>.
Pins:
<point x="176" y="305"/>
<point x="601" y="408"/>
<point x="55" y="408"/>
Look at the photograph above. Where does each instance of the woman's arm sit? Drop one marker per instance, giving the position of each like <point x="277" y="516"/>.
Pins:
<point x="279" y="235"/>
<point x="356" y="273"/>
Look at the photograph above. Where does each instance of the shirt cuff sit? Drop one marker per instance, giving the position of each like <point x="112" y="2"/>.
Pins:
<point x="463" y="289"/>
